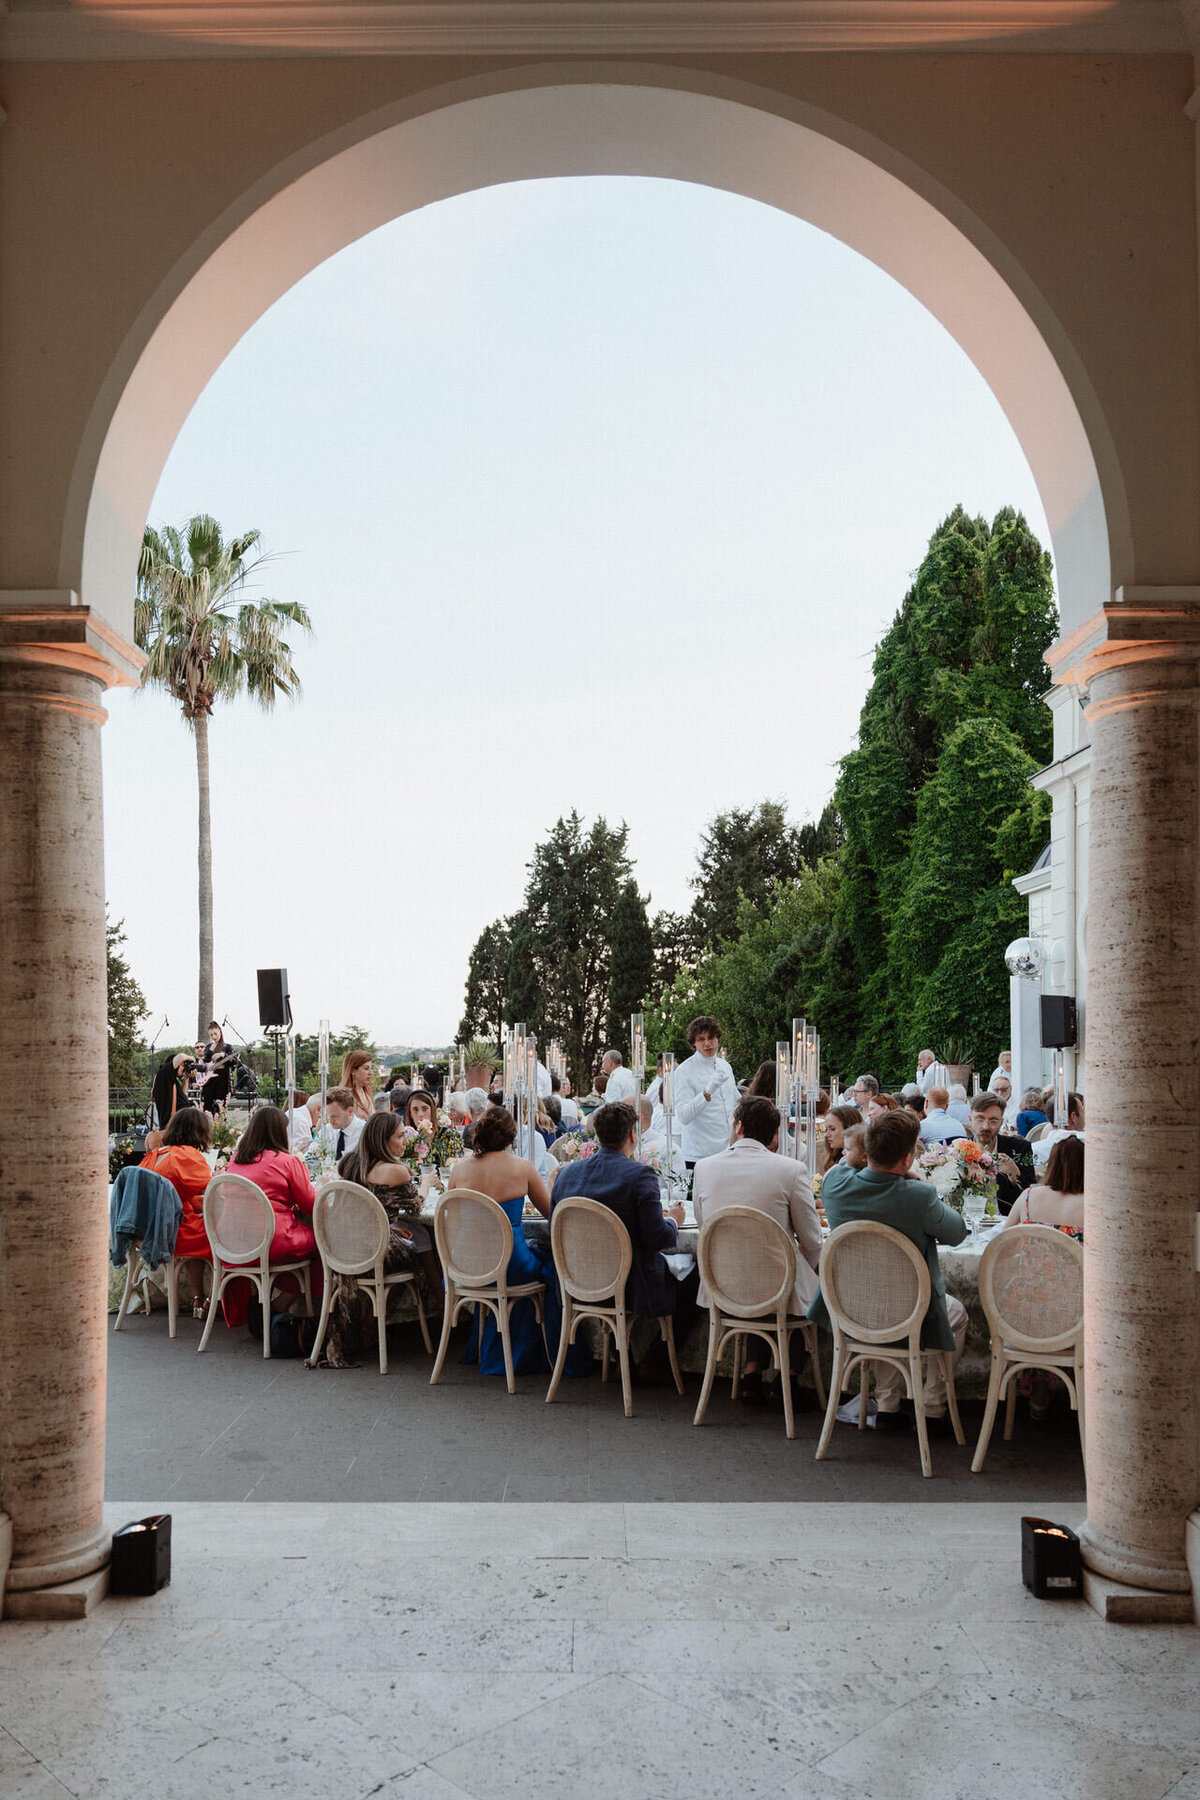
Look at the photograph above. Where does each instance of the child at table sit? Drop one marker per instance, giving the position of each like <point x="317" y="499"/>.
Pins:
<point x="854" y="1147"/>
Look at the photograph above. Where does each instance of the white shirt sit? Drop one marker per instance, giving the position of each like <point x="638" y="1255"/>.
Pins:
<point x="545" y="1086"/>
<point x="996" y="1075"/>
<point x="1042" y="1146"/>
<point x="570" y="1112"/>
<point x="302" y="1128"/>
<point x="326" y="1139"/>
<point x="704" y="1125"/>
<point x="926" y="1078"/>
<point x="621" y="1085"/>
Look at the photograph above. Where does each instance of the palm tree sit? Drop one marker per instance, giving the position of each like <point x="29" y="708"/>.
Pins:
<point x="204" y="642"/>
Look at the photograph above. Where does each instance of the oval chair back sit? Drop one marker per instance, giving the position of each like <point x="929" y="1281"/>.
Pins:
<point x="1031" y="1291"/>
<point x="592" y="1250"/>
<point x="1031" y="1288"/>
<point x="351" y="1228"/>
<point x="875" y="1282"/>
<point x="238" y="1218"/>
<point x="747" y="1262"/>
<point x="474" y="1238"/>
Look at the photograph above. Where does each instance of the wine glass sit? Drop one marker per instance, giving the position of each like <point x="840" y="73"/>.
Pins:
<point x="973" y="1205"/>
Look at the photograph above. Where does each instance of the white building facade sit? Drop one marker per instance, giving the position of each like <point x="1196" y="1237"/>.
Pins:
<point x="1057" y="885"/>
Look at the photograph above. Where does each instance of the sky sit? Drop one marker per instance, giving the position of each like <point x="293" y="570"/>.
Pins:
<point x="599" y="492"/>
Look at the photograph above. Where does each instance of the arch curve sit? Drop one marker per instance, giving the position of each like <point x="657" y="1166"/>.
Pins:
<point x="541" y="123"/>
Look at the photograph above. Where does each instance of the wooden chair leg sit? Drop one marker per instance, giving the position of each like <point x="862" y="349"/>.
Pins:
<point x="918" y="1400"/>
<point x="323" y="1321"/>
<point x="710" y="1366"/>
<point x="864" y="1392"/>
<point x="172" y="1278"/>
<point x="668" y="1331"/>
<point x="506" y="1343"/>
<point x="995" y="1376"/>
<point x="814" y="1360"/>
<point x="447" y="1324"/>
<point x="381" y="1294"/>
<point x="564" y="1339"/>
<point x="604" y="1334"/>
<point x="948" y="1362"/>
<point x="266" y="1288"/>
<point x="785" y="1375"/>
<point x="130" y="1260"/>
<point x="622" y="1328"/>
<point x="737" y="1364"/>
<point x="214" y="1301"/>
<point x="835" y="1394"/>
<point x="1010" y="1410"/>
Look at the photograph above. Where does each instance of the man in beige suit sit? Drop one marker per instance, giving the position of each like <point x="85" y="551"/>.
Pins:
<point x="751" y="1173"/>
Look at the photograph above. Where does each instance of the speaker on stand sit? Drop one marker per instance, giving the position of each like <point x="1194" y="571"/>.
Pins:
<point x="1060" y="1031"/>
<point x="274" y="1009"/>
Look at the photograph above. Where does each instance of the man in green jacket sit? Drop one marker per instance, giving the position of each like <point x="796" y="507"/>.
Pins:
<point x="885" y="1192"/>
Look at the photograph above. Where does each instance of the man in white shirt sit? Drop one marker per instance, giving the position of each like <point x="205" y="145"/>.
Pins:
<point x="705" y="1094"/>
<point x="342" y="1128"/>
<point x="957" y="1106"/>
<point x="940" y="1126"/>
<point x="1002" y="1072"/>
<point x="562" y="1087"/>
<point x="1074" y="1128"/>
<point x="304" y="1119"/>
<point x="621" y="1084"/>
<point x="751" y="1173"/>
<point x="926" y="1070"/>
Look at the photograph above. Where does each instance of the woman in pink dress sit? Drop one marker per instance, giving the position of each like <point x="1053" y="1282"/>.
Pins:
<point x="262" y="1156"/>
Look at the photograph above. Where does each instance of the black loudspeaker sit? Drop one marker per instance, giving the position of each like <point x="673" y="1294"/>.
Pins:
<point x="1051" y="1560"/>
<point x="141" y="1556"/>
<point x="1060" y="1027"/>
<point x="273" y="1008"/>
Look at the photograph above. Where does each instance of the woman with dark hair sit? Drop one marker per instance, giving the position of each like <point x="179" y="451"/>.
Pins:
<point x="356" y="1075"/>
<point x="421" y="1109"/>
<point x="838" y="1121"/>
<point x="182" y="1161"/>
<point x="1058" y="1200"/>
<point x="764" y="1082"/>
<point x="377" y="1163"/>
<point x="262" y="1156"/>
<point x="169" y="1092"/>
<point x="493" y="1169"/>
<point x="218" y="1065"/>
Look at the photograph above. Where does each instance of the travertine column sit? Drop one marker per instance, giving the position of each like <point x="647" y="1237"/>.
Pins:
<point x="54" y="663"/>
<point x="1140" y="660"/>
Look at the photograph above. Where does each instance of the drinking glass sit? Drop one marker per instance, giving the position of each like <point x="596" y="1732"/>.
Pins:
<point x="973" y="1205"/>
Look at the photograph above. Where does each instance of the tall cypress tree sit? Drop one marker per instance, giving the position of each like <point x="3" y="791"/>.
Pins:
<point x="631" y="972"/>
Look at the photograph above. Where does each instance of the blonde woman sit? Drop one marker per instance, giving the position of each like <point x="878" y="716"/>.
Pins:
<point x="358" y="1075"/>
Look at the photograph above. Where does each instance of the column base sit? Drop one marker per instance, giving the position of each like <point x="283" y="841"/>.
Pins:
<point x="68" y="1600"/>
<point x="1116" y="1564"/>
<point x="25" y="1577"/>
<point x="1119" y="1604"/>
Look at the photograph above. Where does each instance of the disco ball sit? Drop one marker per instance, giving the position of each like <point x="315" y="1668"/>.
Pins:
<point x="1024" y="956"/>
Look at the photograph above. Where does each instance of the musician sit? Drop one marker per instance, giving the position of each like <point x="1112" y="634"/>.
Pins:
<point x="218" y="1068"/>
<point x="169" y="1092"/>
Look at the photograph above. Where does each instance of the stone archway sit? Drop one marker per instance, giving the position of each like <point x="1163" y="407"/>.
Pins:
<point x="58" y="645"/>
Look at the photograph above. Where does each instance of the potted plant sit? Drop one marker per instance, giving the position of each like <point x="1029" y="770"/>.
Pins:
<point x="479" y="1060"/>
<point x="959" y="1059"/>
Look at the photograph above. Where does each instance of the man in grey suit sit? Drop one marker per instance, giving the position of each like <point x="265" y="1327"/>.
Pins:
<point x="885" y="1192"/>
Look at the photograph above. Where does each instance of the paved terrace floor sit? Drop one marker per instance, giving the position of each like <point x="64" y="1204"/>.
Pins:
<point x="231" y="1425"/>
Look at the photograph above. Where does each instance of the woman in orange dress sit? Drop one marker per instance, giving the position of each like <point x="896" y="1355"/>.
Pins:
<point x="357" y="1066"/>
<point x="262" y="1156"/>
<point x="181" y="1159"/>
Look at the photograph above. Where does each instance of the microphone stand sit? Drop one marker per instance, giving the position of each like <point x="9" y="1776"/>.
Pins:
<point x="153" y="1047"/>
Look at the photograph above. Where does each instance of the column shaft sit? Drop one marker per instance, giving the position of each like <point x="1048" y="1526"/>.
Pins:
<point x="53" y="1125"/>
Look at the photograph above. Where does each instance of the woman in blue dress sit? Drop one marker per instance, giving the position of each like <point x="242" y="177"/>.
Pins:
<point x="492" y="1168"/>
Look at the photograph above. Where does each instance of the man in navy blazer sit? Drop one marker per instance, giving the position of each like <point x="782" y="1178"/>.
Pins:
<point x="630" y="1189"/>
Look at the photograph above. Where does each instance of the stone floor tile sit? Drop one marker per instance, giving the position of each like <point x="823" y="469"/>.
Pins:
<point x="427" y="1715"/>
<point x="422" y="1784"/>
<point x="615" y="1740"/>
<point x="965" y="1742"/>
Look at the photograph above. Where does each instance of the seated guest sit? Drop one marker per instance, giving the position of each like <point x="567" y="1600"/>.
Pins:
<point x="620" y="1084"/>
<point x="1031" y="1112"/>
<point x="492" y="1168"/>
<point x="958" y="1106"/>
<point x="1058" y="1200"/>
<point x="1014" y="1161"/>
<point x="913" y="1100"/>
<point x="654" y="1138"/>
<point x="376" y="1164"/>
<point x="881" y="1103"/>
<point x="551" y="1106"/>
<point x="939" y="1126"/>
<point x="561" y="1087"/>
<point x="342" y="1128"/>
<point x="1074" y="1127"/>
<point x="750" y="1173"/>
<point x="302" y="1119"/>
<point x="838" y="1121"/>
<point x="456" y="1106"/>
<point x="421" y="1110"/>
<point x="763" y="1082"/>
<point x="884" y="1192"/>
<point x="864" y="1089"/>
<point x="262" y="1156"/>
<point x="614" y="1178"/>
<point x="477" y="1105"/>
<point x="1004" y="1094"/>
<point x="182" y="1161"/>
<point x="854" y="1146"/>
<point x="1002" y="1072"/>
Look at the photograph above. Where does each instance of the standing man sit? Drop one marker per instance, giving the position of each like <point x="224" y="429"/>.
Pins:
<point x="926" y="1070"/>
<point x="621" y="1084"/>
<point x="705" y="1094"/>
<point x="1014" y="1155"/>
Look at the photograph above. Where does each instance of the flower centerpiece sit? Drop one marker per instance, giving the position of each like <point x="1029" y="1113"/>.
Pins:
<point x="956" y="1168"/>
<point x="575" y="1147"/>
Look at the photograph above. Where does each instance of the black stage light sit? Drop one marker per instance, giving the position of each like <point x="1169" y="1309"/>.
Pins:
<point x="141" y="1556"/>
